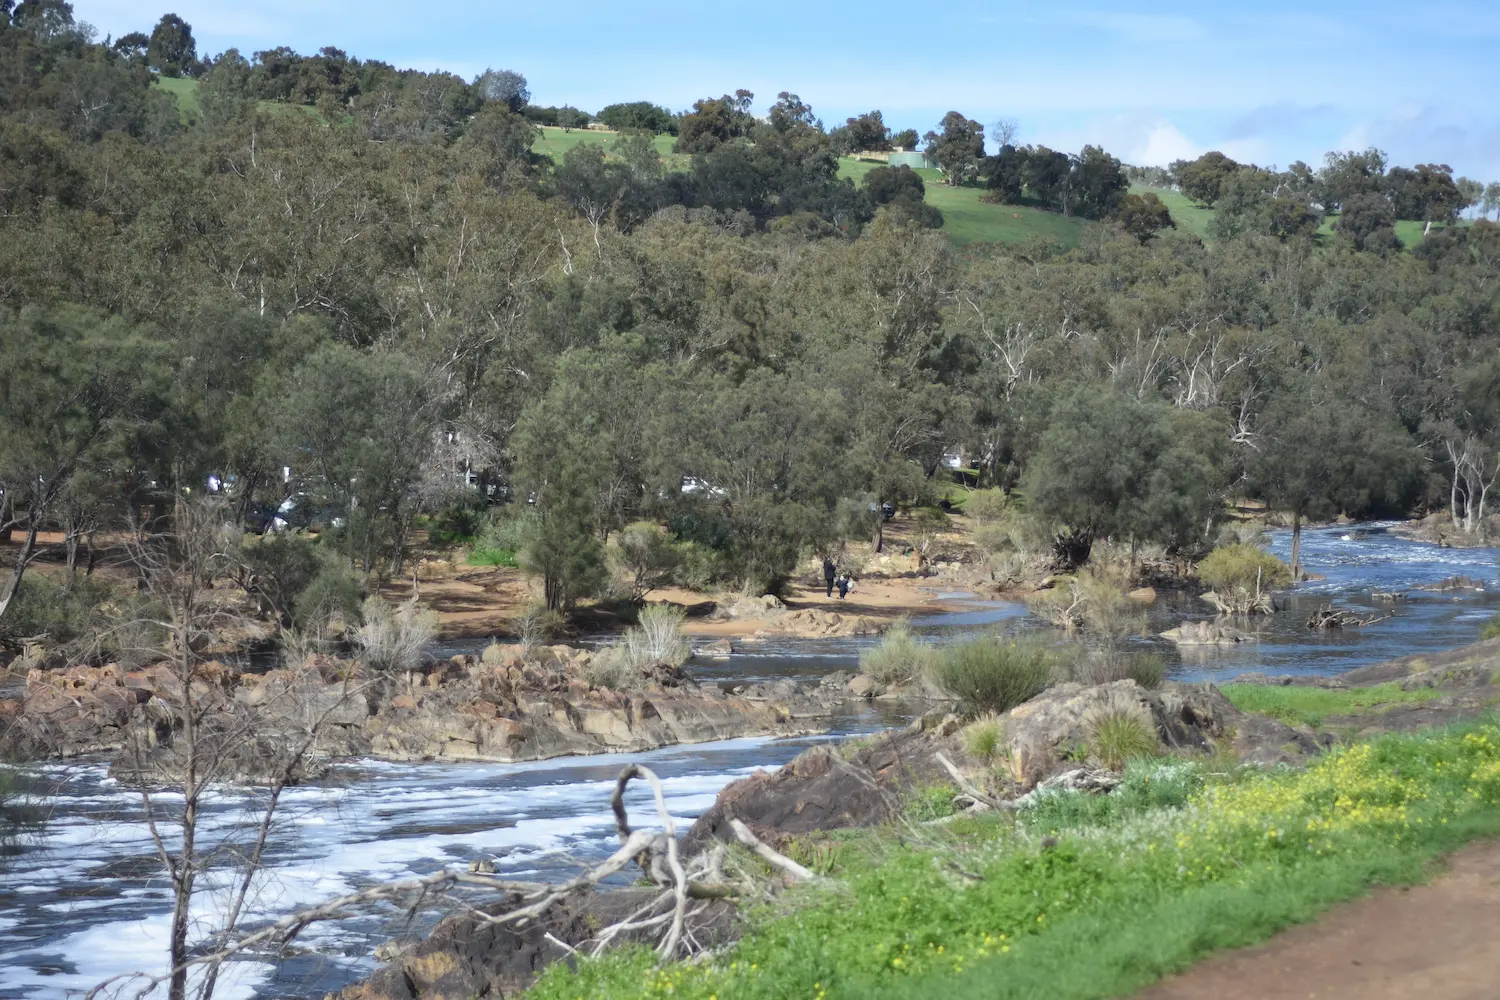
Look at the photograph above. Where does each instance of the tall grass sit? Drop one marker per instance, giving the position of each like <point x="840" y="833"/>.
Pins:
<point x="1146" y="669"/>
<point x="656" y="638"/>
<point x="993" y="675"/>
<point x="1120" y="731"/>
<point x="395" y="637"/>
<point x="899" y="658"/>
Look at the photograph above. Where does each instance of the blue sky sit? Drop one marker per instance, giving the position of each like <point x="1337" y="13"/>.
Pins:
<point x="1270" y="82"/>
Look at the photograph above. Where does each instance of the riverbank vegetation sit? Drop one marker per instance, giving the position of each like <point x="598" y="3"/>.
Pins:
<point x="1089" y="896"/>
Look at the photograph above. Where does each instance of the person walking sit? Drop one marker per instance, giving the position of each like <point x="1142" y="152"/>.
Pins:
<point x="829" y="572"/>
<point x="844" y="584"/>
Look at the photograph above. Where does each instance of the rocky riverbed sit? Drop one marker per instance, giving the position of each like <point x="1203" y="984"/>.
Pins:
<point x="507" y="706"/>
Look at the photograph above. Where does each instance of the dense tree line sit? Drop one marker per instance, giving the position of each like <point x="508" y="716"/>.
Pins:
<point x="1367" y="194"/>
<point x="375" y="308"/>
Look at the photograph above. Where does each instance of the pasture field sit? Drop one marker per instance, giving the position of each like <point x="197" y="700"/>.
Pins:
<point x="186" y="92"/>
<point x="1188" y="216"/>
<point x="967" y="219"/>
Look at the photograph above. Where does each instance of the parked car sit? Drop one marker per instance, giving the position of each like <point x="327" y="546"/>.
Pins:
<point x="297" y="513"/>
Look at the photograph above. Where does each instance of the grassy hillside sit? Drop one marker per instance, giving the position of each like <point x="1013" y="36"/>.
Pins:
<point x="555" y="142"/>
<point x="186" y="92"/>
<point x="1195" y="218"/>
<point x="1188" y="216"/>
<point x="967" y="219"/>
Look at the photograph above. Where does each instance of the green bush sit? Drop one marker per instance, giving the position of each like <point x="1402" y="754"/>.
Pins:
<point x="508" y="529"/>
<point x="899" y="658"/>
<point x="992" y="675"/>
<point x="989" y="506"/>
<point x="645" y="556"/>
<point x="332" y="600"/>
<point x="46" y="609"/>
<point x="482" y="556"/>
<point x="1491" y="629"/>
<point x="460" y="521"/>
<point x="1243" y="569"/>
<point x="1146" y="669"/>
<point x="1121" y="733"/>
<point x="984" y="738"/>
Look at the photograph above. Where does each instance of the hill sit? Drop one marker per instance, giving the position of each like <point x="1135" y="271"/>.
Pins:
<point x="1194" y="218"/>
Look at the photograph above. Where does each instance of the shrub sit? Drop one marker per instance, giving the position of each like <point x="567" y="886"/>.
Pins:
<point x="481" y="556"/>
<point x="331" y="601"/>
<point x="1119" y="732"/>
<point x="278" y="567"/>
<point x="1106" y="607"/>
<point x="535" y="625"/>
<point x="644" y="554"/>
<point x="461" y="519"/>
<point x="394" y="637"/>
<point x="656" y="638"/>
<point x="1242" y="577"/>
<point x="899" y="658"/>
<point x="988" y="506"/>
<point x="46" y="610"/>
<point x="1146" y="669"/>
<point x="1492" y="629"/>
<point x="984" y="738"/>
<point x="609" y="669"/>
<point x="991" y="675"/>
<point x="508" y="529"/>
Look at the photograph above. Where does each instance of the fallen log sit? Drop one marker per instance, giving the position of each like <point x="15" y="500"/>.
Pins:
<point x="1329" y="617"/>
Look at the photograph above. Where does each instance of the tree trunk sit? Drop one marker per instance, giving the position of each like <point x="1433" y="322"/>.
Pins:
<point x="1296" y="546"/>
<point x="879" y="528"/>
<point x="23" y="559"/>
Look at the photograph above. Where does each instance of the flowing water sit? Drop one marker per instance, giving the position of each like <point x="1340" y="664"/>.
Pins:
<point x="87" y="898"/>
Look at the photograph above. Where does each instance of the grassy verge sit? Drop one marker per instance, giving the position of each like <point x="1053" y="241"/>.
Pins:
<point x="482" y="556"/>
<point x="1192" y="861"/>
<point x="1308" y="706"/>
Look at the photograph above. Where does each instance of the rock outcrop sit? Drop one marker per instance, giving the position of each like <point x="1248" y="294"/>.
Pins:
<point x="504" y="708"/>
<point x="863" y="784"/>
<point x="1205" y="634"/>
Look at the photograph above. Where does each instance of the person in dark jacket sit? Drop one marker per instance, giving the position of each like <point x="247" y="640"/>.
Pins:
<point x="829" y="572"/>
<point x="844" y="584"/>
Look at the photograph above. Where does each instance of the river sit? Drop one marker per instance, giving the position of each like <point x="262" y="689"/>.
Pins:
<point x="87" y="899"/>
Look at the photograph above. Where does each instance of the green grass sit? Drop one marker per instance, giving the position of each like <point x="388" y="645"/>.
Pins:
<point x="1182" y="863"/>
<point x="482" y="556"/>
<point x="1307" y="706"/>
<point x="1189" y="217"/>
<point x="555" y="142"/>
<point x="967" y="219"/>
<point x="186" y="92"/>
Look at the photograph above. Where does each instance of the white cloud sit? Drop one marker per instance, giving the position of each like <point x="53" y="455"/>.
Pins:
<point x="1163" y="144"/>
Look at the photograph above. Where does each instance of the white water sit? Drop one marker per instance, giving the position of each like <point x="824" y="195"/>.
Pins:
<point x="89" y="901"/>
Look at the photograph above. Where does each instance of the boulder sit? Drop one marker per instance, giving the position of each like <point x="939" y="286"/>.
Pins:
<point x="1205" y="634"/>
<point x="864" y="686"/>
<point x="718" y="649"/>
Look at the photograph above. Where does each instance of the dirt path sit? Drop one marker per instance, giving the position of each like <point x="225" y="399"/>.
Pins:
<point x="1436" y="942"/>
